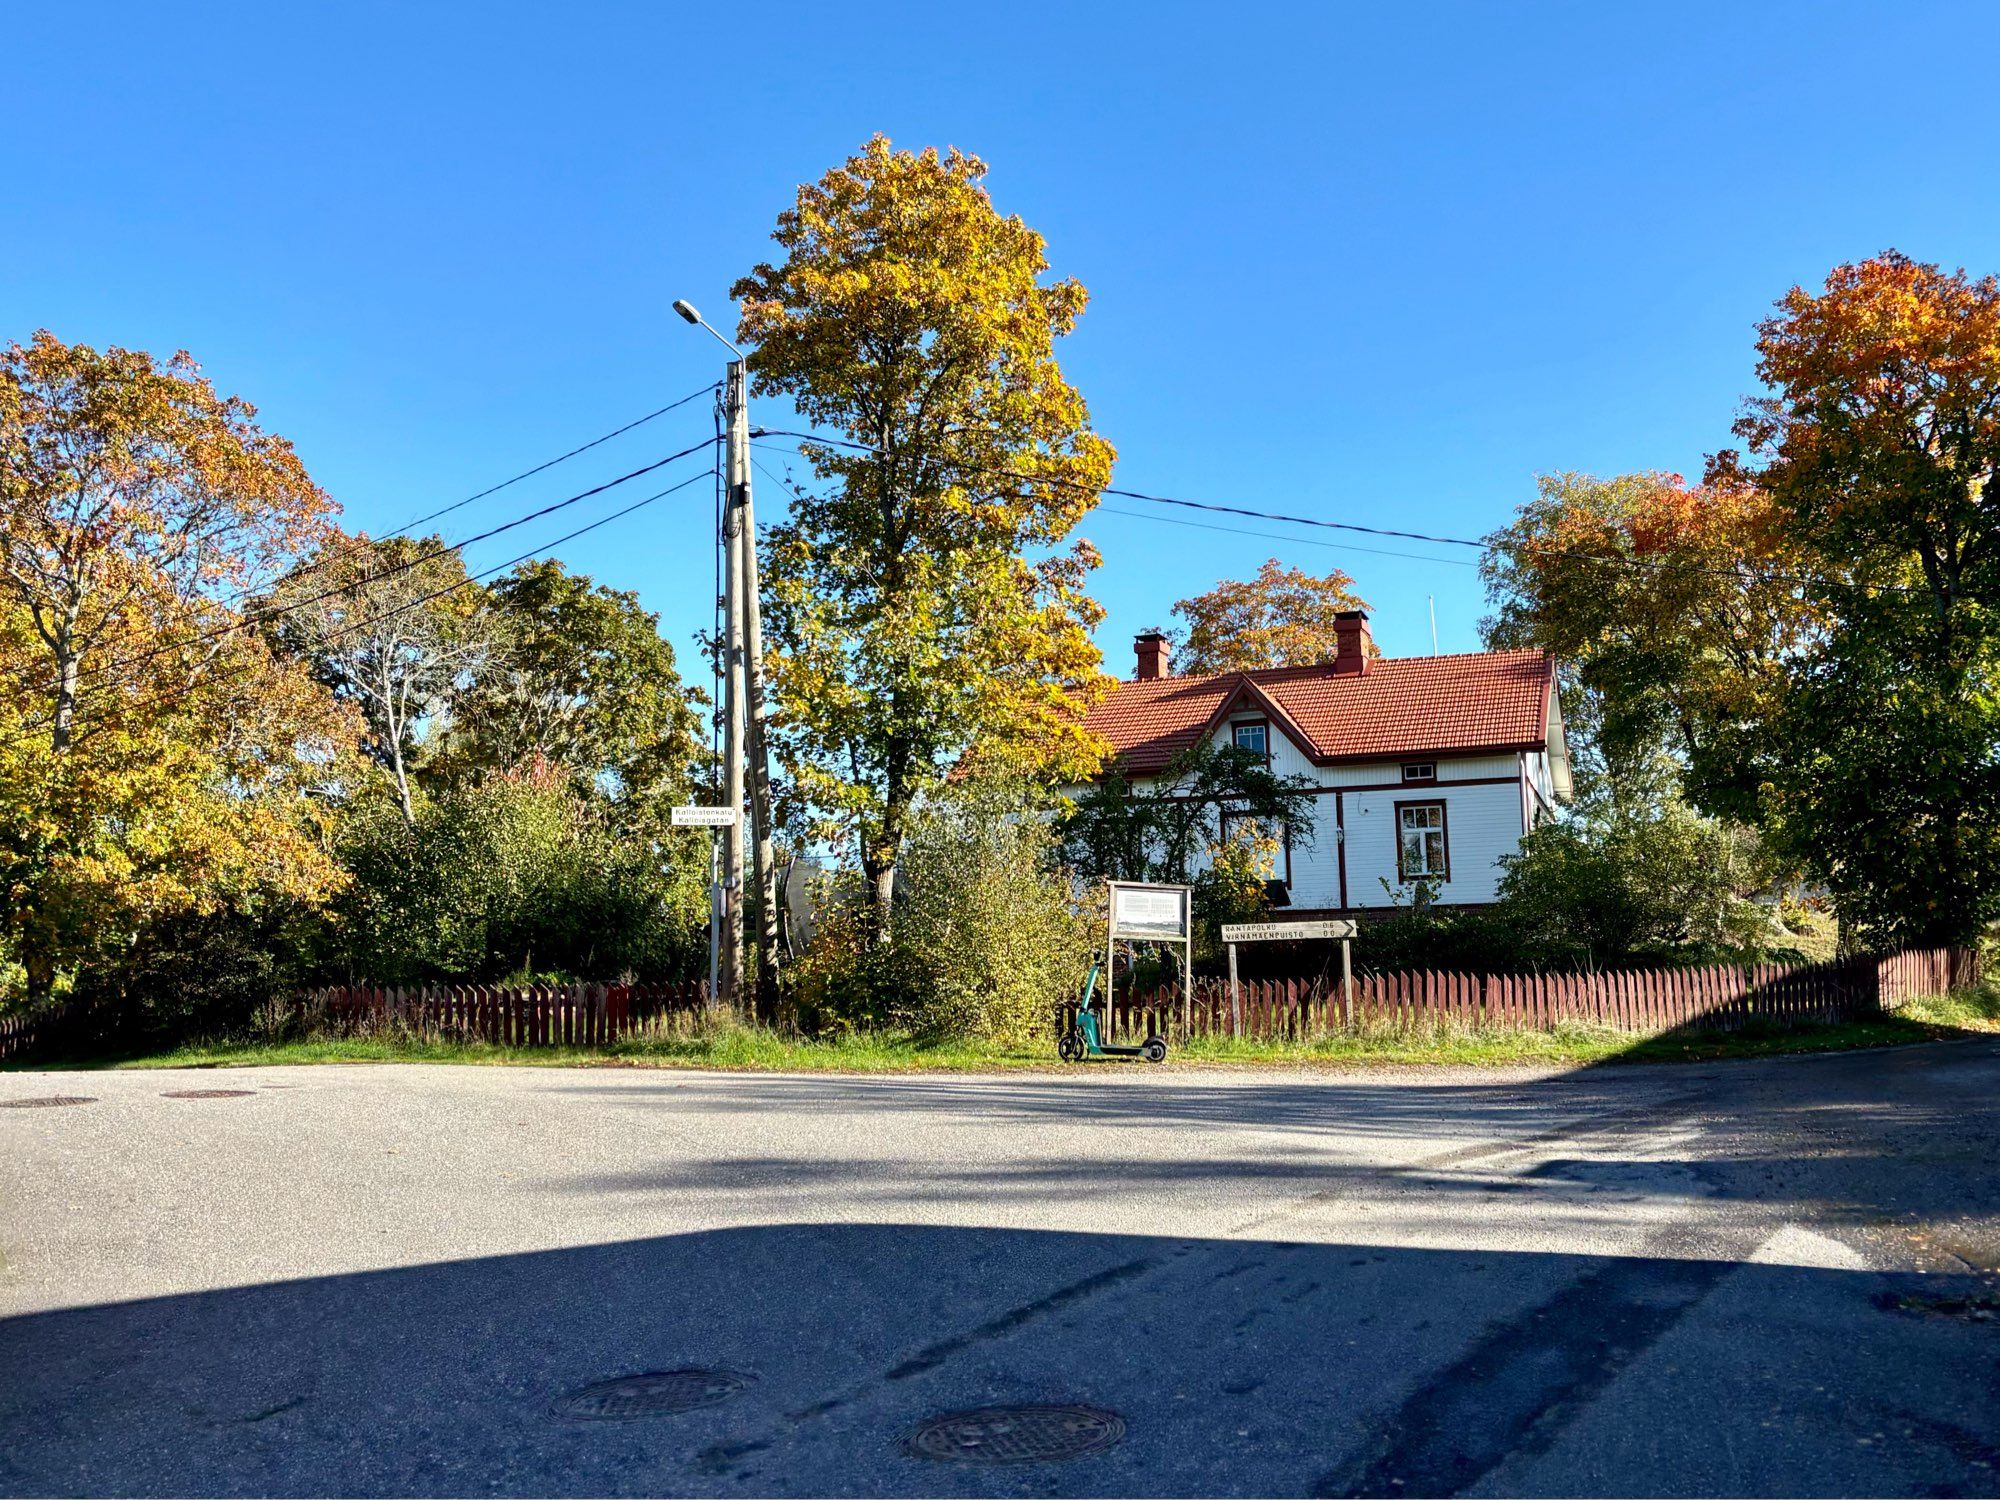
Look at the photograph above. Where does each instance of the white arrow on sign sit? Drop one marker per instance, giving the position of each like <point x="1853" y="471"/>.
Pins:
<point x="704" y="817"/>
<point x="1264" y="932"/>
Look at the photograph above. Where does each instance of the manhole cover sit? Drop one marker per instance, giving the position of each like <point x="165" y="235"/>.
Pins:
<point x="208" y="1093"/>
<point x="1016" y="1434"/>
<point x="647" y="1395"/>
<point x="52" y="1101"/>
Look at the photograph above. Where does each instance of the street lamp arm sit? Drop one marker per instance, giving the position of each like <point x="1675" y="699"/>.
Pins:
<point x="687" y="310"/>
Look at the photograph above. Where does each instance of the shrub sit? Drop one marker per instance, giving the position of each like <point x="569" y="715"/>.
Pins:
<point x="512" y="876"/>
<point x="196" y="974"/>
<point x="989" y="936"/>
<point x="988" y="932"/>
<point x="1667" y="885"/>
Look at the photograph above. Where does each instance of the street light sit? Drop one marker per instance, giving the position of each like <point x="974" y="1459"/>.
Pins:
<point x="687" y="310"/>
<point x="743" y="711"/>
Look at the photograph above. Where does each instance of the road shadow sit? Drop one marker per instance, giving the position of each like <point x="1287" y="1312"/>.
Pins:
<point x="1237" y="1366"/>
<point x="1871" y="1140"/>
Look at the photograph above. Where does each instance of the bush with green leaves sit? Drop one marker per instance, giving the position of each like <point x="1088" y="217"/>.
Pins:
<point x="989" y="931"/>
<point x="516" y="876"/>
<point x="989" y="935"/>
<point x="1671" y="885"/>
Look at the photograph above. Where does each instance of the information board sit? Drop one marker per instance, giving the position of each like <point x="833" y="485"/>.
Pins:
<point x="1157" y="912"/>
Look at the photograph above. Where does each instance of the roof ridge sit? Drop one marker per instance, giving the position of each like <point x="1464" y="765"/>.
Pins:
<point x="1379" y="662"/>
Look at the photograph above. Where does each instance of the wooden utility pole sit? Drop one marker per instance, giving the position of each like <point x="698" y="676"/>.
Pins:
<point x="745" y="586"/>
<point x="729" y="986"/>
<point x="743" y="692"/>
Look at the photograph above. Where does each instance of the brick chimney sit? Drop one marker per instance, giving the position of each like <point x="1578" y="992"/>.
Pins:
<point x="1152" y="648"/>
<point x="1352" y="642"/>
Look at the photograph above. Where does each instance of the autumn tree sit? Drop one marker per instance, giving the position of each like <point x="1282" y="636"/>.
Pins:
<point x="922" y="604"/>
<point x="1672" y="610"/>
<point x="157" y="759"/>
<point x="131" y="493"/>
<point x="1877" y="448"/>
<point x="393" y="627"/>
<point x="1284" y="617"/>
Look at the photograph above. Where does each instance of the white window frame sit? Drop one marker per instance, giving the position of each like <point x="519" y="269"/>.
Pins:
<point x="1419" y="836"/>
<point x="1263" y="726"/>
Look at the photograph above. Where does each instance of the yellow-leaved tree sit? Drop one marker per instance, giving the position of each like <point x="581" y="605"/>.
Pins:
<point x="922" y="605"/>
<point x="155" y="757"/>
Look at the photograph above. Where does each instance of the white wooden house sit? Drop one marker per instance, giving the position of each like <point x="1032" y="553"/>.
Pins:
<point x="1424" y="768"/>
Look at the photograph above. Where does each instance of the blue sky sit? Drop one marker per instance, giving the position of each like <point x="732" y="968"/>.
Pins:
<point x="1367" y="263"/>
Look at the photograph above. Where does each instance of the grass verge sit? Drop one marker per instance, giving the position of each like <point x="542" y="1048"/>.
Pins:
<point x="739" y="1048"/>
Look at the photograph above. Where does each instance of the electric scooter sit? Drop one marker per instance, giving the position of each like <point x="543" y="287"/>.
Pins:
<point x="1082" y="1035"/>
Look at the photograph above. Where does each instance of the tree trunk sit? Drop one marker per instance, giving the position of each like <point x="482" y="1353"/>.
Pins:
<point x="402" y="776"/>
<point x="41" y="966"/>
<point x="882" y="889"/>
<point x="64" y="722"/>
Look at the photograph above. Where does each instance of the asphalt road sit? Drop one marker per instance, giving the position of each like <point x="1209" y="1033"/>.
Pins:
<point x="1749" y="1278"/>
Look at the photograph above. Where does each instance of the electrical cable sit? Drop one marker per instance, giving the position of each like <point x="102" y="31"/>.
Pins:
<point x="1484" y="546"/>
<point x="265" y="617"/>
<point x="431" y="597"/>
<point x="409" y="526"/>
<point x="362" y="543"/>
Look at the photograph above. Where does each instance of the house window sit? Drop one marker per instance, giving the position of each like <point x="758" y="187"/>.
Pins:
<point x="1254" y="736"/>
<point x="1423" y="852"/>
<point x="1421" y="771"/>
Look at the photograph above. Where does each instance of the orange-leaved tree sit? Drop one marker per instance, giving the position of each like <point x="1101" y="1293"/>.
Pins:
<point x="1672" y="610"/>
<point x="1878" y="451"/>
<point x="155" y="757"/>
<point x="1284" y="617"/>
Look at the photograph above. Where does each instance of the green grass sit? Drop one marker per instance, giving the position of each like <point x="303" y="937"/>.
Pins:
<point x="733" y="1047"/>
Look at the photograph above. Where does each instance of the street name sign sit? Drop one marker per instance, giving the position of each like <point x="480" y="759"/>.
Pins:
<point x="1262" y="932"/>
<point x="704" y="817"/>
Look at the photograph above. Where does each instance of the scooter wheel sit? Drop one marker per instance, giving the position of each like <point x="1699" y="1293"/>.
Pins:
<point x="1070" y="1047"/>
<point x="1155" y="1050"/>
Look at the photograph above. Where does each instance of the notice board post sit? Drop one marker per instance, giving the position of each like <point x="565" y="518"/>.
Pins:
<point x="1142" y="913"/>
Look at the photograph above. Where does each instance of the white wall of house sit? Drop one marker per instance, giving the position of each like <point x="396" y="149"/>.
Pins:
<point x="1488" y="800"/>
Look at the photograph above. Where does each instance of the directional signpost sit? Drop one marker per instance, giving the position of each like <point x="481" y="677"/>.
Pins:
<point x="704" y="817"/>
<point x="1265" y="932"/>
<point x="710" y="817"/>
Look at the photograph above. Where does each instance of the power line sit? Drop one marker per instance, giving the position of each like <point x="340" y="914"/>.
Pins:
<point x="409" y="526"/>
<point x="1278" y="536"/>
<point x="422" y="557"/>
<point x="1480" y="545"/>
<point x="436" y="594"/>
<point x="362" y="543"/>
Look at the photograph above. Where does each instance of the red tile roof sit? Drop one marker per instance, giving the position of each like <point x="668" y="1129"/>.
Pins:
<point x="1412" y="705"/>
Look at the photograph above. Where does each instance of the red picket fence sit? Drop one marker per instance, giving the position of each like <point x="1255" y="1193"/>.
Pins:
<point x="565" y="1015"/>
<point x="34" y="1031"/>
<point x="1721" y="997"/>
<point x="1717" y="998"/>
<point x="1914" y="973"/>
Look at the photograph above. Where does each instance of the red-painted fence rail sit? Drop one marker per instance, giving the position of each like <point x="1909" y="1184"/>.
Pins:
<point x="1718" y="997"/>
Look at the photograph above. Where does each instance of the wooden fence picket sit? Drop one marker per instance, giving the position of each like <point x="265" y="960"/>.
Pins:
<point x="1707" y="998"/>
